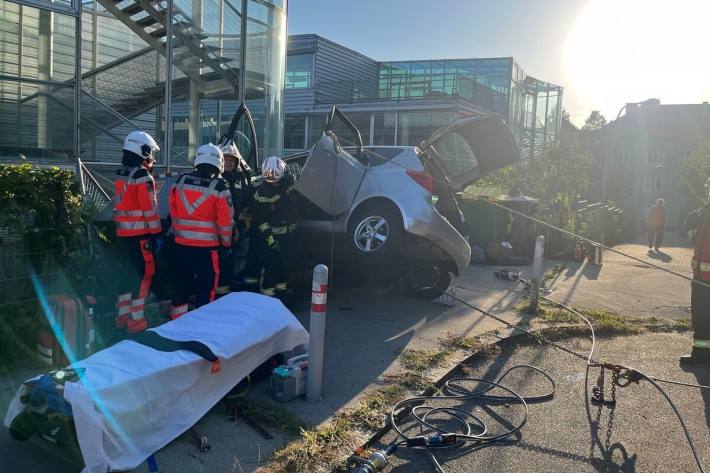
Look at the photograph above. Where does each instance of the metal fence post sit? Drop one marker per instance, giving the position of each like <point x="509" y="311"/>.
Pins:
<point x="537" y="273"/>
<point x="319" y="298"/>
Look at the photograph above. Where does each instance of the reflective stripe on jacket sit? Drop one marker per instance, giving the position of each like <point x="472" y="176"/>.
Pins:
<point x="201" y="211"/>
<point x="136" y="207"/>
<point x="273" y="207"/>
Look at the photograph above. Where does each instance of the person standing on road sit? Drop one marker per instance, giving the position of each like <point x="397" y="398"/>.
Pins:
<point x="699" y="222"/>
<point x="274" y="214"/>
<point x="203" y="221"/>
<point x="656" y="224"/>
<point x="137" y="227"/>
<point x="238" y="176"/>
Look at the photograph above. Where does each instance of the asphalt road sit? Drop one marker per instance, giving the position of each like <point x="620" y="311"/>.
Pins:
<point x="645" y="435"/>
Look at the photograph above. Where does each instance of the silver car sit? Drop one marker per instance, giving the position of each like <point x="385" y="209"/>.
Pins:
<point x="393" y="207"/>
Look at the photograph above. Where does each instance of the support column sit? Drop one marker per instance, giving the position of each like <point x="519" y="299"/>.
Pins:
<point x="44" y="59"/>
<point x="193" y="130"/>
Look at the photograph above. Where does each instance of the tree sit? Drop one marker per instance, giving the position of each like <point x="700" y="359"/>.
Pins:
<point x="695" y="172"/>
<point x="595" y="121"/>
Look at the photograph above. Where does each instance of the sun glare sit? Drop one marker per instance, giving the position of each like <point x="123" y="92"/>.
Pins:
<point x="622" y="51"/>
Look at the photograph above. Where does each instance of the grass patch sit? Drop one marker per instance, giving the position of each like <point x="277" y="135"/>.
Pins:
<point x="682" y="325"/>
<point x="319" y="449"/>
<point x="420" y="360"/>
<point x="551" y="274"/>
<point x="460" y="342"/>
<point x="413" y="382"/>
<point x="325" y="448"/>
<point x="609" y="323"/>
<point x="273" y="415"/>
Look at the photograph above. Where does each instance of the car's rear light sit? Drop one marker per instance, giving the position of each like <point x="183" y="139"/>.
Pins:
<point x="422" y="178"/>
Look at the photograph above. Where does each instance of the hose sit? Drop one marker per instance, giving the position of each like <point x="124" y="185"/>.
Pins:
<point x="472" y="428"/>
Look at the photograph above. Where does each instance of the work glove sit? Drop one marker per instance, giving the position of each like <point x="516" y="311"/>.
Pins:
<point x="225" y="252"/>
<point x="272" y="243"/>
<point x="157" y="244"/>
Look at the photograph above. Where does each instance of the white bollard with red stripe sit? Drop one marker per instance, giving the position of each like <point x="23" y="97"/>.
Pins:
<point x="319" y="298"/>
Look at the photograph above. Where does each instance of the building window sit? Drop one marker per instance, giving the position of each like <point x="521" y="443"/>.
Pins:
<point x="295" y="132"/>
<point x="384" y="129"/>
<point x="415" y="127"/>
<point x="316" y="125"/>
<point x="655" y="157"/>
<point x="299" y="69"/>
<point x="345" y="134"/>
<point x="654" y="184"/>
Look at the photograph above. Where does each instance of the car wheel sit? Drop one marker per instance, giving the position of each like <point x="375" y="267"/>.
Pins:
<point x="374" y="233"/>
<point x="427" y="281"/>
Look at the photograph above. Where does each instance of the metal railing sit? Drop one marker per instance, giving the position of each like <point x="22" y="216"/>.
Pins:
<point x="93" y="192"/>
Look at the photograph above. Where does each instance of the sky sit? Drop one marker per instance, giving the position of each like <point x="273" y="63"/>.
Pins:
<point x="603" y="52"/>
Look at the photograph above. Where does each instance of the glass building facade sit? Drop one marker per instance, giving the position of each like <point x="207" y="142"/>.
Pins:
<point x="205" y="56"/>
<point x="403" y="102"/>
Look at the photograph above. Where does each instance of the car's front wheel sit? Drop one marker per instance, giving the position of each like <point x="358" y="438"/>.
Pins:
<point x="427" y="280"/>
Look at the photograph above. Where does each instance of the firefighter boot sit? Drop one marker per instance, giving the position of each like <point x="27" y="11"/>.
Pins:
<point x="136" y="322"/>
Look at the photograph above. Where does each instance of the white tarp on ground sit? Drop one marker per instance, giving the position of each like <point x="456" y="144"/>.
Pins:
<point x="134" y="400"/>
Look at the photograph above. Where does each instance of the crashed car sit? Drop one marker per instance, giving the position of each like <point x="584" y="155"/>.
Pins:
<point x="384" y="212"/>
<point x="393" y="207"/>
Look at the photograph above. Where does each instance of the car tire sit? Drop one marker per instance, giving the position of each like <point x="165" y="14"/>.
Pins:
<point x="374" y="234"/>
<point x="427" y="281"/>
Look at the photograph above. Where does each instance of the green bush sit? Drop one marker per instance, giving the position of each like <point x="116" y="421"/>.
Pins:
<point x="42" y="231"/>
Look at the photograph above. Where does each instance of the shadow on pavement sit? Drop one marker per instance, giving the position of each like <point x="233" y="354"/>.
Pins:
<point x="702" y="374"/>
<point x="660" y="255"/>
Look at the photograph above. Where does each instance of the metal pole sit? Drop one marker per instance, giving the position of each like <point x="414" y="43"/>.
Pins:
<point x="77" y="98"/>
<point x="537" y="273"/>
<point x="168" y="87"/>
<point x="319" y="298"/>
<point x="243" y="53"/>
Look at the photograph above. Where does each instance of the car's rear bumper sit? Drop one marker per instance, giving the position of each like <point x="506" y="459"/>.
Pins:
<point x="430" y="224"/>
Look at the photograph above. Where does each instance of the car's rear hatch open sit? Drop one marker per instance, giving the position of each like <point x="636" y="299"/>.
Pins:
<point x="470" y="147"/>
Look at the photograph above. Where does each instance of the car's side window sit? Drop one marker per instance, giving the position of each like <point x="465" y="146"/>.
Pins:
<point x="457" y="155"/>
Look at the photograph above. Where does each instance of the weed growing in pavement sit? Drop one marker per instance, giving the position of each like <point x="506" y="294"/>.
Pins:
<point x="551" y="274"/>
<point x="413" y="382"/>
<point x="609" y="323"/>
<point x="420" y="360"/>
<point x="272" y="414"/>
<point x="683" y="325"/>
<point x="324" y="448"/>
<point x="460" y="342"/>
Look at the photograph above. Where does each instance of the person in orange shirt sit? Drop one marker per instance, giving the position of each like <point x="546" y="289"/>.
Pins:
<point x="656" y="224"/>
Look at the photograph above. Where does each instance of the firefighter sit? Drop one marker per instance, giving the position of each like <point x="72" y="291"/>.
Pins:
<point x="699" y="222"/>
<point x="202" y="218"/>
<point x="238" y="176"/>
<point x="137" y="226"/>
<point x="274" y="215"/>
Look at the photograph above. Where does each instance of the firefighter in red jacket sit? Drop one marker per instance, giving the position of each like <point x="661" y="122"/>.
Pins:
<point x="137" y="226"/>
<point x="202" y="218"/>
<point x="699" y="222"/>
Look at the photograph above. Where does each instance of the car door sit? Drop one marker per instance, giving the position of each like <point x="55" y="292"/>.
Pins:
<point x="331" y="176"/>
<point x="471" y="147"/>
<point x="243" y="132"/>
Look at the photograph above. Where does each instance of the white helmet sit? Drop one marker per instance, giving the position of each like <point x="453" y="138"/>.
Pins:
<point x="273" y="169"/>
<point x="210" y="154"/>
<point x="140" y="143"/>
